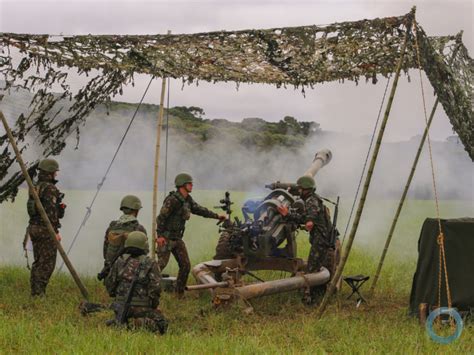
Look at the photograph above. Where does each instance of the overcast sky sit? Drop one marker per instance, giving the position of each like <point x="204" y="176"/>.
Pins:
<point x="338" y="107"/>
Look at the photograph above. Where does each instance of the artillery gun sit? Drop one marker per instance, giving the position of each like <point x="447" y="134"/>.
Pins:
<point x="264" y="240"/>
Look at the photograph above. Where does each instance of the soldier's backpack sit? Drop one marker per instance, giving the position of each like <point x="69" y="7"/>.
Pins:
<point x="116" y="236"/>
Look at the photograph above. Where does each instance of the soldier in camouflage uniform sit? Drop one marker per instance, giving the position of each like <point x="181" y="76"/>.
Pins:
<point x="317" y="222"/>
<point x="176" y="210"/>
<point x="118" y="230"/>
<point x="143" y="311"/>
<point x="44" y="247"/>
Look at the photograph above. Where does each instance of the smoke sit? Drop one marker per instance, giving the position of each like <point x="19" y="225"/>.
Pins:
<point x="219" y="164"/>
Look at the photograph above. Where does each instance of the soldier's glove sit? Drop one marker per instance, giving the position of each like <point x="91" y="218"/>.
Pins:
<point x="283" y="210"/>
<point x="161" y="241"/>
<point x="309" y="226"/>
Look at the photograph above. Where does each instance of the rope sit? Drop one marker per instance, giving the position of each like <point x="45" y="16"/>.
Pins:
<point x="440" y="239"/>
<point x="101" y="183"/>
<point x="167" y="130"/>
<point x="365" y="164"/>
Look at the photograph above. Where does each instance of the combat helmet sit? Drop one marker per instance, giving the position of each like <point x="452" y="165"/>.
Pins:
<point x="48" y="165"/>
<point x="306" y="182"/>
<point x="138" y="240"/>
<point x="182" y="179"/>
<point x="131" y="202"/>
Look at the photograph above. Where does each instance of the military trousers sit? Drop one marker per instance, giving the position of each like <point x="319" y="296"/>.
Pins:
<point x="44" y="252"/>
<point x="319" y="255"/>
<point x="179" y="251"/>
<point x="146" y="318"/>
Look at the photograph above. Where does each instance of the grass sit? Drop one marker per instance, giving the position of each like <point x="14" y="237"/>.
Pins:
<point x="280" y="323"/>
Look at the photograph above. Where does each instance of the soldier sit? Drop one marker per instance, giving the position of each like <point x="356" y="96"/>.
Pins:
<point x="118" y="231"/>
<point x="176" y="210"/>
<point x="318" y="223"/>
<point x="136" y="275"/>
<point x="44" y="247"/>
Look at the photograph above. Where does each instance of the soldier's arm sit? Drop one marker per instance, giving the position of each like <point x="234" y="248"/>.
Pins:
<point x="111" y="280"/>
<point x="154" y="288"/>
<point x="106" y="242"/>
<point x="202" y="211"/>
<point x="169" y="206"/>
<point x="49" y="199"/>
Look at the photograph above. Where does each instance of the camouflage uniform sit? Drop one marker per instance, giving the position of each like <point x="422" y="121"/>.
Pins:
<point x="171" y="222"/>
<point x="146" y="295"/>
<point x="115" y="237"/>
<point x="319" y="235"/>
<point x="44" y="247"/>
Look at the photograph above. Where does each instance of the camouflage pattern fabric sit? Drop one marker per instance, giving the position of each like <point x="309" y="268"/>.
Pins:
<point x="49" y="195"/>
<point x="178" y="248"/>
<point x="174" y="213"/>
<point x="44" y="251"/>
<point x="146" y="318"/>
<point x="116" y="234"/>
<point x="321" y="252"/>
<point x="146" y="295"/>
<point x="301" y="56"/>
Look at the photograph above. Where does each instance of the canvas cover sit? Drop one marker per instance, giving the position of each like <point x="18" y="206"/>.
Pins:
<point x="459" y="246"/>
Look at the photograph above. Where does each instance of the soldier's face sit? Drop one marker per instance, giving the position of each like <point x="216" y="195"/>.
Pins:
<point x="189" y="187"/>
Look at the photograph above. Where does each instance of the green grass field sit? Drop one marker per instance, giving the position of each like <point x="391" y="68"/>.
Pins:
<point x="280" y="323"/>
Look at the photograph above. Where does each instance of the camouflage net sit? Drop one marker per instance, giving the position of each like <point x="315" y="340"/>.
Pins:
<point x="299" y="56"/>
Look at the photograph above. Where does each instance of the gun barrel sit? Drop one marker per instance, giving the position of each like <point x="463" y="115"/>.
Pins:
<point x="207" y="286"/>
<point x="321" y="158"/>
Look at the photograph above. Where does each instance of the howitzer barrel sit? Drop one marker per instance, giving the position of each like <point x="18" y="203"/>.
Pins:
<point x="284" y="285"/>
<point x="207" y="286"/>
<point x="321" y="158"/>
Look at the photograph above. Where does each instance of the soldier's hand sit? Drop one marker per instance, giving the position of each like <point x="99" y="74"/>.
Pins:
<point x="58" y="237"/>
<point x="161" y="241"/>
<point x="283" y="210"/>
<point x="222" y="217"/>
<point x="309" y="226"/>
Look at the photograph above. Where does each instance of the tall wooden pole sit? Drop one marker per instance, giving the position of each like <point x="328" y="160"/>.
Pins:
<point x="407" y="186"/>
<point x="41" y="210"/>
<point x="157" y="164"/>
<point x="368" y="178"/>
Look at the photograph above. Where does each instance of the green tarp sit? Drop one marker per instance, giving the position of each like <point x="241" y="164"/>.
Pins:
<point x="459" y="246"/>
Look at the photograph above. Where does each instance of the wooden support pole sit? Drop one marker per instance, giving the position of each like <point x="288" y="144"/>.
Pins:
<point x="41" y="210"/>
<point x="157" y="164"/>
<point x="360" y="207"/>
<point x="407" y="186"/>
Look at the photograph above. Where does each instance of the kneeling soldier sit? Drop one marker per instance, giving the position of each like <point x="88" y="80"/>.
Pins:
<point x="134" y="281"/>
<point x="118" y="231"/>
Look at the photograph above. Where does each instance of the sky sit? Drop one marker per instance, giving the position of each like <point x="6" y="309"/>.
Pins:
<point x="337" y="107"/>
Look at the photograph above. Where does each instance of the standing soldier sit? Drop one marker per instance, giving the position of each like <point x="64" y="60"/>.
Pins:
<point x="317" y="222"/>
<point x="134" y="281"/>
<point x="118" y="231"/>
<point x="176" y="210"/>
<point x="44" y="247"/>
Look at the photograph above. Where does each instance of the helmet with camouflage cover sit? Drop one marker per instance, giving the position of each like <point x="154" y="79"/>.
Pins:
<point x="48" y="165"/>
<point x="182" y="179"/>
<point x="131" y="202"/>
<point x="306" y="182"/>
<point x="137" y="239"/>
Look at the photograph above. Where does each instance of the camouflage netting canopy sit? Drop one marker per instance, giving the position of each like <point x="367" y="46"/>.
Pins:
<point x="299" y="56"/>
